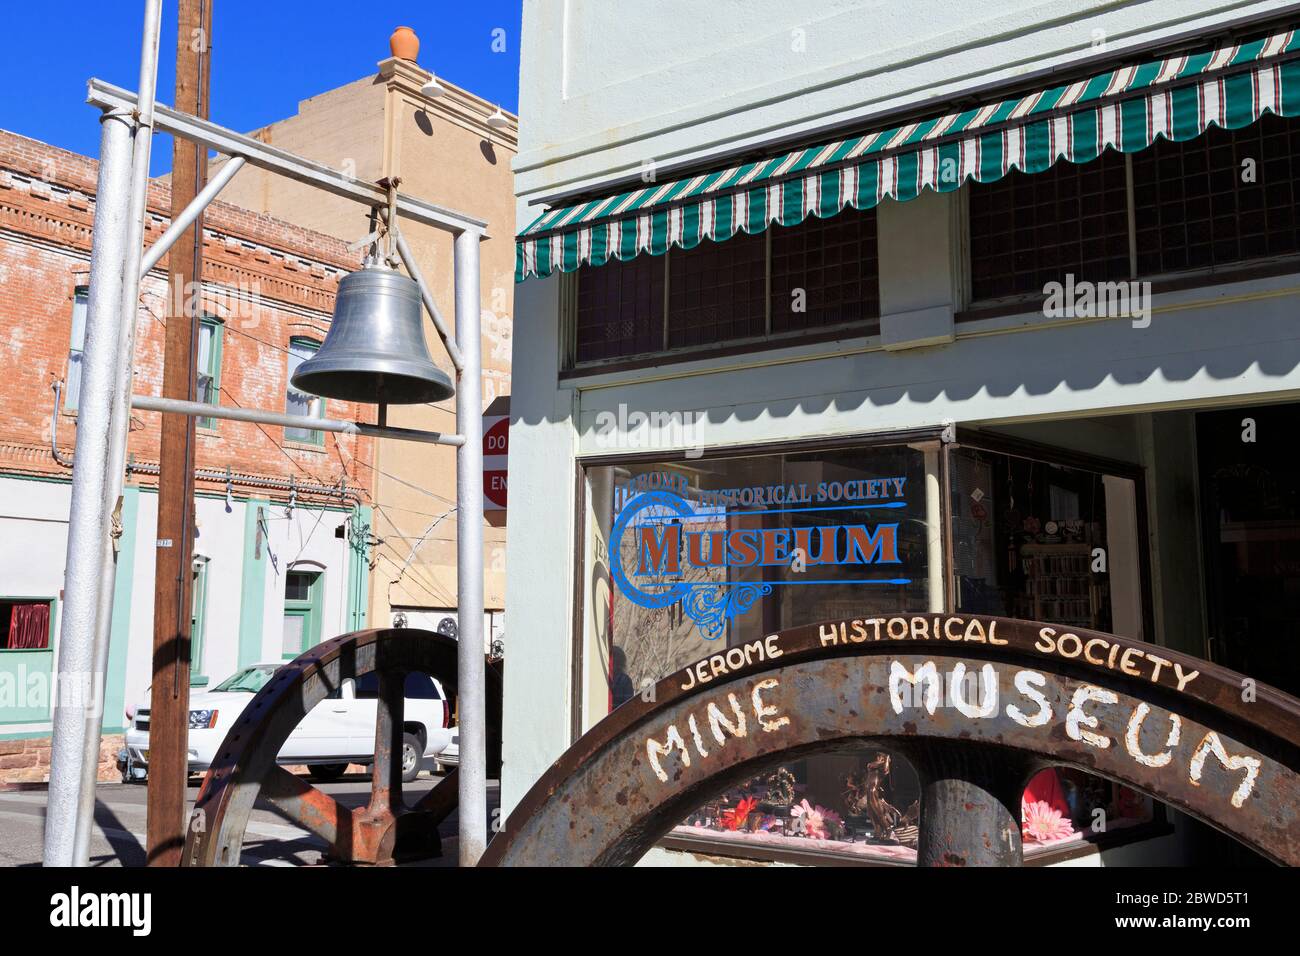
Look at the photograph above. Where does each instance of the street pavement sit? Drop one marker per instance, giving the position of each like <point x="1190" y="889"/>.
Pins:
<point x="270" y="840"/>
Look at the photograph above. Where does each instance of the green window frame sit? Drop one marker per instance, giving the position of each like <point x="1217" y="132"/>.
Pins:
<point x="198" y="620"/>
<point x="208" y="388"/>
<point x="302" y="611"/>
<point x="76" y="346"/>
<point x="302" y="403"/>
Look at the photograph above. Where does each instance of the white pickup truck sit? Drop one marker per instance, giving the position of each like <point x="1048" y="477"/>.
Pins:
<point x="339" y="730"/>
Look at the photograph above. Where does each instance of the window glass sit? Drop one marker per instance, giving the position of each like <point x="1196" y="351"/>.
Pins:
<point x="301" y="403"/>
<point x="302" y="612"/>
<point x="1225" y="196"/>
<point x="620" y="309"/>
<point x="820" y="273"/>
<point x="297" y="586"/>
<point x="367" y="686"/>
<point x="1027" y="230"/>
<point x="420" y="687"/>
<point x="863" y="802"/>
<point x="76" y="345"/>
<point x="824" y="272"/>
<point x="24" y="625"/>
<point x="198" y="615"/>
<point x="1040" y="541"/>
<point x="717" y="291"/>
<point x="209" y="366"/>
<point x="757" y="545"/>
<point x="249" y="681"/>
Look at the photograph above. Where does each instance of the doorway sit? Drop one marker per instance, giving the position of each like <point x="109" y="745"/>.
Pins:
<point x="1250" y="510"/>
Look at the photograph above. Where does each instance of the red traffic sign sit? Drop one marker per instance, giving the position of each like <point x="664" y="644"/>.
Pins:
<point x="496" y="445"/>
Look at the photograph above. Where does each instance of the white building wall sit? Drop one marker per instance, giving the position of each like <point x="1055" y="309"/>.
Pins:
<point x="303" y="541"/>
<point x="606" y="88"/>
<point x="34" y="528"/>
<point x="34" y="514"/>
<point x="603" y="90"/>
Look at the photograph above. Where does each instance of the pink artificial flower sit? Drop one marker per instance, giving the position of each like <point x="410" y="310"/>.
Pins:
<point x="814" y="821"/>
<point x="1042" y="824"/>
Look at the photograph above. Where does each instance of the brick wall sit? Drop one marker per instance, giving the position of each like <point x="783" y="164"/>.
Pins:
<point x="268" y="280"/>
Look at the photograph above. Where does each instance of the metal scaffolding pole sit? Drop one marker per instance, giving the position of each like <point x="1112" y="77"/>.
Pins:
<point x="121" y="413"/>
<point x="283" y="163"/>
<point x="117" y="266"/>
<point x="88" y="518"/>
<point x="191" y="213"/>
<point x="472" y="815"/>
<point x="426" y="296"/>
<point x="150" y="403"/>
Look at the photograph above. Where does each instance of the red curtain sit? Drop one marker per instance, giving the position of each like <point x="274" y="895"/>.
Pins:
<point x="29" y="627"/>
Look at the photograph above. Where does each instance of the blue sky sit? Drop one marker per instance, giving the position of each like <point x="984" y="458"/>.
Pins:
<point x="267" y="55"/>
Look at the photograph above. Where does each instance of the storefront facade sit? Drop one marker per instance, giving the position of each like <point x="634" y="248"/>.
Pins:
<point x="841" y="322"/>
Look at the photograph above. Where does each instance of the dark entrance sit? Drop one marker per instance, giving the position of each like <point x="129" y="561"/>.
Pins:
<point x="1250" y="503"/>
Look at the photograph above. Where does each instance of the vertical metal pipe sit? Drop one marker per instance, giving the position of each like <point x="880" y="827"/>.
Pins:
<point x="87" y="515"/>
<point x="469" y="557"/>
<point x="970" y="804"/>
<point x="121" y="414"/>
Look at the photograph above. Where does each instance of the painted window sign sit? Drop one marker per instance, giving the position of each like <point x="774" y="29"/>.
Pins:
<point x="694" y="545"/>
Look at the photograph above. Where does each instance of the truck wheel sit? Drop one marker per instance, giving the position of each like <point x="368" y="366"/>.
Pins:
<point x="327" y="772"/>
<point x="412" y="757"/>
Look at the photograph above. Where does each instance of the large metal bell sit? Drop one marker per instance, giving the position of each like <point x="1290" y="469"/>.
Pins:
<point x="375" y="350"/>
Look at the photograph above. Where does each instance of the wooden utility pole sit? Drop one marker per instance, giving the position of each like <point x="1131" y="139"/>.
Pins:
<point x="170" y="698"/>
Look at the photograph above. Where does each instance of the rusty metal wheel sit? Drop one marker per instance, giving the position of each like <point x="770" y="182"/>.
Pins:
<point x="384" y="831"/>
<point x="1203" y="740"/>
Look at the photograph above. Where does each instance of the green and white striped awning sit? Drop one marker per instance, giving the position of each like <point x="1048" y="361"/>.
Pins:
<point x="1125" y="109"/>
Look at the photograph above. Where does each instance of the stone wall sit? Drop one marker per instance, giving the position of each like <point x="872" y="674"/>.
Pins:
<point x="28" y="760"/>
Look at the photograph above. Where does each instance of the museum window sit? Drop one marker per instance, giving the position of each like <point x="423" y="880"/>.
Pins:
<point x="1041" y="539"/>
<point x="1208" y="205"/>
<point x="748" y="291"/>
<point x="985" y="525"/>
<point x="856" y="803"/>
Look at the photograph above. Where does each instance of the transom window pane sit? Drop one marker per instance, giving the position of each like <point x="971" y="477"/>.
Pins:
<point x="620" y="309"/>
<point x="298" y="586"/>
<point x="716" y="291"/>
<point x="824" y="272"/>
<point x="1027" y="230"/>
<point x="1226" y="196"/>
<point x="818" y="274"/>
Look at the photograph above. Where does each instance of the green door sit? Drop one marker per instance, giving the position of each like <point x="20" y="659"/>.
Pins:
<point x="302" y="612"/>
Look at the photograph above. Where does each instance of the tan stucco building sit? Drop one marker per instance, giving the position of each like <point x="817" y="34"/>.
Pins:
<point x="444" y="151"/>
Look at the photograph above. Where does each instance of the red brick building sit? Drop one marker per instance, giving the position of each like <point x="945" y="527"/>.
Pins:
<point x="279" y="511"/>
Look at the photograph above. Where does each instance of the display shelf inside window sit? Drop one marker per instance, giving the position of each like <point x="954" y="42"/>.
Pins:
<point x="1062" y="806"/>
<point x="862" y="804"/>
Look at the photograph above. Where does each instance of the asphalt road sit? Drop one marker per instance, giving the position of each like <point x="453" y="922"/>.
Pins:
<point x="270" y="840"/>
